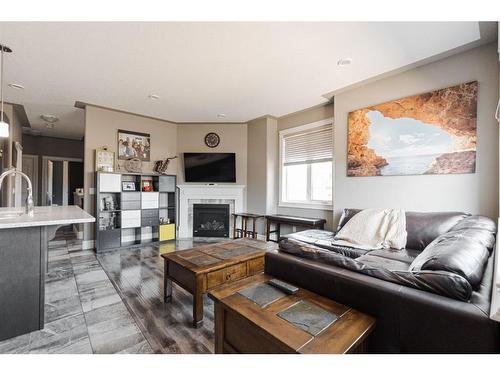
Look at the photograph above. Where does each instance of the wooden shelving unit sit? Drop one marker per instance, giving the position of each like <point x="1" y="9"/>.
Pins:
<point x="134" y="217"/>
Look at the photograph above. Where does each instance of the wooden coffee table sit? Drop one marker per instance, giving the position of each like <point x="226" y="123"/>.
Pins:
<point x="204" y="268"/>
<point x="243" y="326"/>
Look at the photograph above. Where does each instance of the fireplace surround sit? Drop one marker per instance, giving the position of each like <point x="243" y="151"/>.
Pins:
<point x="191" y="194"/>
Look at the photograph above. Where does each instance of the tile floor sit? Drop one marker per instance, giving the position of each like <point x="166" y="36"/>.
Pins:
<point x="83" y="311"/>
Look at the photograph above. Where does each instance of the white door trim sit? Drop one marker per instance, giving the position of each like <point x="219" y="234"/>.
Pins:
<point x="45" y="160"/>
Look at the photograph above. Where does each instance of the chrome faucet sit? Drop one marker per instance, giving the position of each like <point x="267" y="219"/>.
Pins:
<point x="30" y="206"/>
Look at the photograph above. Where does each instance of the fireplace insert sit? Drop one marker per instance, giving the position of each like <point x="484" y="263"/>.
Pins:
<point x="211" y="220"/>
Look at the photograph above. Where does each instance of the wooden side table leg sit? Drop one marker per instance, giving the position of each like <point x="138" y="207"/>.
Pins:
<point x="244" y="222"/>
<point x="268" y="229"/>
<point x="167" y="284"/>
<point x="278" y="232"/>
<point x="234" y="226"/>
<point x="254" y="231"/>
<point x="198" y="303"/>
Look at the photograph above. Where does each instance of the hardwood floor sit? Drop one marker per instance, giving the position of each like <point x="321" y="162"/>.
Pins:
<point x="137" y="274"/>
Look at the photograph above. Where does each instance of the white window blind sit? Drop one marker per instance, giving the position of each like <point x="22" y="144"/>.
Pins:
<point x="308" y="147"/>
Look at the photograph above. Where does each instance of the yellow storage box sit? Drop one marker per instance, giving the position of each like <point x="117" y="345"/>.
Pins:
<point x="167" y="232"/>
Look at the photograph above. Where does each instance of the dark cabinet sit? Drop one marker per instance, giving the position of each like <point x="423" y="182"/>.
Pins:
<point x="109" y="239"/>
<point x="150" y="218"/>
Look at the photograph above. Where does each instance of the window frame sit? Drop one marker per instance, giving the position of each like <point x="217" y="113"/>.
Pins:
<point x="309" y="204"/>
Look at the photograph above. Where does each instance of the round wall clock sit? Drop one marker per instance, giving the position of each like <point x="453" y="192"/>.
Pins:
<point x="212" y="140"/>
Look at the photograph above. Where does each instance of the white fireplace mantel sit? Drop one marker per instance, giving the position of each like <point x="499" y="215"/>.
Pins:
<point x="190" y="194"/>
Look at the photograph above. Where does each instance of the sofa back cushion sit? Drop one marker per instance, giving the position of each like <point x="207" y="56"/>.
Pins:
<point x="425" y="227"/>
<point x="422" y="227"/>
<point x="463" y="250"/>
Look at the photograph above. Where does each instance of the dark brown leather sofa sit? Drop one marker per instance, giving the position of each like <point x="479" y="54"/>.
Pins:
<point x="414" y="315"/>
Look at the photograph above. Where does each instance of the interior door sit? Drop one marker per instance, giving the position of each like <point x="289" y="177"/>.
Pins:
<point x="49" y="183"/>
<point x="57" y="183"/>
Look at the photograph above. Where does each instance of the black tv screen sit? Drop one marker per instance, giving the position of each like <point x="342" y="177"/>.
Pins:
<point x="209" y="167"/>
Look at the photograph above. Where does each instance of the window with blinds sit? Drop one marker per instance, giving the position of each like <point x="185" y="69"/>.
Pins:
<point x="306" y="166"/>
<point x="308" y="147"/>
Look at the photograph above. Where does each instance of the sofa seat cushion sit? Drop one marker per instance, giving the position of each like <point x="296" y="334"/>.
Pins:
<point x="312" y="235"/>
<point x="323" y="239"/>
<point x="406" y="256"/>
<point x="375" y="261"/>
<point x="439" y="282"/>
<point x="459" y="252"/>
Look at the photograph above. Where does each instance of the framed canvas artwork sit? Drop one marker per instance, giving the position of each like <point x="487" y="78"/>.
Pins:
<point x="133" y="145"/>
<point x="431" y="133"/>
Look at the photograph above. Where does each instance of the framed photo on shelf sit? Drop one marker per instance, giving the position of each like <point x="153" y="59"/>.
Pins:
<point x="133" y="145"/>
<point x="104" y="160"/>
<point x="128" y="186"/>
<point x="147" y="184"/>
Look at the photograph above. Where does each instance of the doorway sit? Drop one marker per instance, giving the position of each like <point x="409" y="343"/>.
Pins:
<point x="61" y="178"/>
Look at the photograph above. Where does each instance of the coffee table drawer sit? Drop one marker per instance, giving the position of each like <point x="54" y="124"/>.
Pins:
<point x="232" y="273"/>
<point x="255" y="266"/>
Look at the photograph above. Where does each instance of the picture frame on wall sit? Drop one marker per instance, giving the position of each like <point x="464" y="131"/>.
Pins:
<point x="104" y="160"/>
<point x="430" y="133"/>
<point x="134" y="145"/>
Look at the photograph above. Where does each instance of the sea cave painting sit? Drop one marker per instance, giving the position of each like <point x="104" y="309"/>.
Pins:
<point x="431" y="133"/>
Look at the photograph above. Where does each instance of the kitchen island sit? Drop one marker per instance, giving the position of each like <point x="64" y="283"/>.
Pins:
<point x="23" y="263"/>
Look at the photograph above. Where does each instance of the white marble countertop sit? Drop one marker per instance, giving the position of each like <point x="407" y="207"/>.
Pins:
<point x="44" y="216"/>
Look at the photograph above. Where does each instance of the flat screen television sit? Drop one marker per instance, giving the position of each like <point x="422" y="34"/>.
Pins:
<point x="209" y="167"/>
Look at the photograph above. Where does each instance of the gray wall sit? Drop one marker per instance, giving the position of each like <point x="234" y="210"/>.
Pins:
<point x="475" y="193"/>
<point x="9" y="154"/>
<point x="49" y="146"/>
<point x="261" y="168"/>
<point x="257" y="166"/>
<point x="233" y="138"/>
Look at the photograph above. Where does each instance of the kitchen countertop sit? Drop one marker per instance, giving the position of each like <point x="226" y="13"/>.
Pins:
<point x="45" y="216"/>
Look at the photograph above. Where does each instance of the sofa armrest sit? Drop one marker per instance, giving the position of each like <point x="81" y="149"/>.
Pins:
<point x="495" y="290"/>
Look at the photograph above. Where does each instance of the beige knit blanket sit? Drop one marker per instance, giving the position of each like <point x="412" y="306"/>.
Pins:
<point x="374" y="228"/>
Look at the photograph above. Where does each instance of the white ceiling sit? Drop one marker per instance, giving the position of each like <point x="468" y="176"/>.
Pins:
<point x="244" y="70"/>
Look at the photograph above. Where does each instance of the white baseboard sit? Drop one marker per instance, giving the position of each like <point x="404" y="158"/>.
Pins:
<point x="88" y="245"/>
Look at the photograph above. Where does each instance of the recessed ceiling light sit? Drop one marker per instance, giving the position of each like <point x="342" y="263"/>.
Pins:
<point x="49" y="118"/>
<point x="344" y="61"/>
<point x="221" y="115"/>
<point x="16" y="86"/>
<point x="154" y="96"/>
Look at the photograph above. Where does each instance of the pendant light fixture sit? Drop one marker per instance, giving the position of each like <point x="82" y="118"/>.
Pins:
<point x="4" y="126"/>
